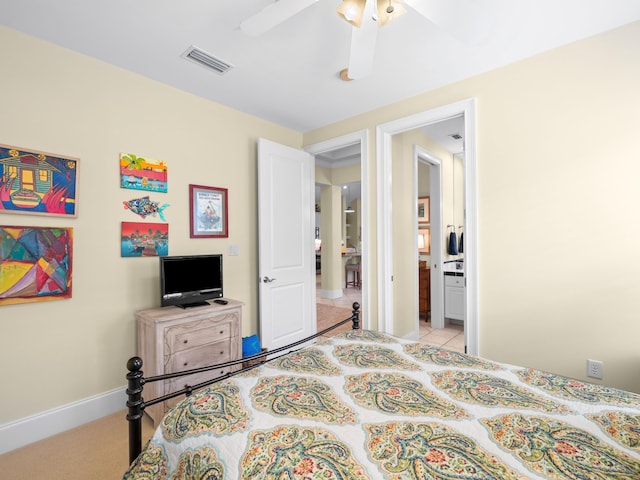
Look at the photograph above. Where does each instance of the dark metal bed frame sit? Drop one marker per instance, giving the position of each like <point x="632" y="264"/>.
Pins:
<point x="136" y="380"/>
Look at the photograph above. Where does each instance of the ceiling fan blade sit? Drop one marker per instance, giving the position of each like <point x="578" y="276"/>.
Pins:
<point x="272" y="15"/>
<point x="465" y="20"/>
<point x="363" y="43"/>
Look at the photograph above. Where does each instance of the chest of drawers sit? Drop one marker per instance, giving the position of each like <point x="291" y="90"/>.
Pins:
<point x="171" y="339"/>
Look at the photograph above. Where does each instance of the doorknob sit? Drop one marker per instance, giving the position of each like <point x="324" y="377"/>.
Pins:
<point x="268" y="280"/>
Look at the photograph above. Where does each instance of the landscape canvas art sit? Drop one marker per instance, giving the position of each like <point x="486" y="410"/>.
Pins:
<point x="35" y="264"/>
<point x="141" y="239"/>
<point x="140" y="173"/>
<point x="37" y="183"/>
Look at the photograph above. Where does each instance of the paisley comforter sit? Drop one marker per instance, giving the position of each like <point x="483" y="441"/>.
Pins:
<point x="363" y="405"/>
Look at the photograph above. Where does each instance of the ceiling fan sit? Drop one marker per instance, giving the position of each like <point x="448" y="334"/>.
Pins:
<point x="463" y="19"/>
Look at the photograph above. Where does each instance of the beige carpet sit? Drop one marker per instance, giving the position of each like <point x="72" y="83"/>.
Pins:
<point x="97" y="450"/>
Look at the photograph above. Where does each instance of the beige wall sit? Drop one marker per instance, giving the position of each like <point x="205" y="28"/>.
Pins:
<point x="558" y="173"/>
<point x="558" y="191"/>
<point x="405" y="257"/>
<point x="331" y="236"/>
<point x="61" y="102"/>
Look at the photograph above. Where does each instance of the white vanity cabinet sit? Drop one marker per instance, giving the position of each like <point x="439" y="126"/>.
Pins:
<point x="454" y="297"/>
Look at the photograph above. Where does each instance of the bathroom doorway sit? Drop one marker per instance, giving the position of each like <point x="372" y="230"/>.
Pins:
<point x="392" y="319"/>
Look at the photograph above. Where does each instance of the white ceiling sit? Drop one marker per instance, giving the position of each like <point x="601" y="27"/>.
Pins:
<point x="289" y="75"/>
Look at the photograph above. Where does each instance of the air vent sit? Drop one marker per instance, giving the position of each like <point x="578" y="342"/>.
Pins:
<point x="456" y="136"/>
<point x="206" y="60"/>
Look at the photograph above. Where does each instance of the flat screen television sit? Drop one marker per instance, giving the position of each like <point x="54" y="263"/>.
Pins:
<point x="190" y="280"/>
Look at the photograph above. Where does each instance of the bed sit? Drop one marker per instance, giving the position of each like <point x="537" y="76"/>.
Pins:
<point x="364" y="405"/>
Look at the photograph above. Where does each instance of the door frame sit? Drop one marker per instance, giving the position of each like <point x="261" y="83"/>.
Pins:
<point x="384" y="133"/>
<point x="420" y="155"/>
<point x="361" y="137"/>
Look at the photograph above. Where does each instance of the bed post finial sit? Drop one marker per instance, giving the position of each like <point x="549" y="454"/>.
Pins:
<point x="135" y="403"/>
<point x="355" y="317"/>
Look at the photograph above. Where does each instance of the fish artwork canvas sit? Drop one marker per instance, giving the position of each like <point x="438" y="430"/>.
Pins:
<point x="145" y="207"/>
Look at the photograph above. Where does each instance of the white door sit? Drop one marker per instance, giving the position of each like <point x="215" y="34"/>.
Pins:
<point x="286" y="254"/>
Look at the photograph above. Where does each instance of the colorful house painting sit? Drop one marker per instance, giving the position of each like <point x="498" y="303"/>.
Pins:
<point x="140" y="173"/>
<point x="37" y="183"/>
<point x="35" y="264"/>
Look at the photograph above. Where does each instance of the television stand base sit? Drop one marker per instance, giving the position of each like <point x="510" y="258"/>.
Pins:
<point x="193" y="304"/>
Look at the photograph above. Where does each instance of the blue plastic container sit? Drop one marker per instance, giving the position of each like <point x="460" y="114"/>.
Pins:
<point x="250" y="345"/>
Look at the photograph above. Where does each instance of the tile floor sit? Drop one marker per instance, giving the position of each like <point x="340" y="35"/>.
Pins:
<point x="451" y="337"/>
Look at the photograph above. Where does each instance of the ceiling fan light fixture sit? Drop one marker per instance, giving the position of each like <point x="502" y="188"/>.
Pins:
<point x="389" y="10"/>
<point x="352" y="11"/>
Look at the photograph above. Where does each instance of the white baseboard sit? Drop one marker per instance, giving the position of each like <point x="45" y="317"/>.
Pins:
<point x="413" y="336"/>
<point x="331" y="294"/>
<point x="36" y="427"/>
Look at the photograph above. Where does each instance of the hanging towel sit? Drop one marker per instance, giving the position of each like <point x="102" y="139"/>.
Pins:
<point x="453" y="248"/>
<point x="461" y="243"/>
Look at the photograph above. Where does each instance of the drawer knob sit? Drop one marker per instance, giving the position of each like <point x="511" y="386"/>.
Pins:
<point x="186" y="363"/>
<point x="186" y="341"/>
<point x="221" y="332"/>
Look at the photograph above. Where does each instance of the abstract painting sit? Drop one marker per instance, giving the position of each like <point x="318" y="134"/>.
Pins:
<point x="35" y="264"/>
<point x="140" y="173"/>
<point x="141" y="239"/>
<point x="37" y="183"/>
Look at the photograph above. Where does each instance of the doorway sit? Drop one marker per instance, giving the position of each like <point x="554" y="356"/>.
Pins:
<point x="404" y="325"/>
<point x="342" y="173"/>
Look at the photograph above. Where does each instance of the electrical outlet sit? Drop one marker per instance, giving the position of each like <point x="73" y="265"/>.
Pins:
<point x="594" y="369"/>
